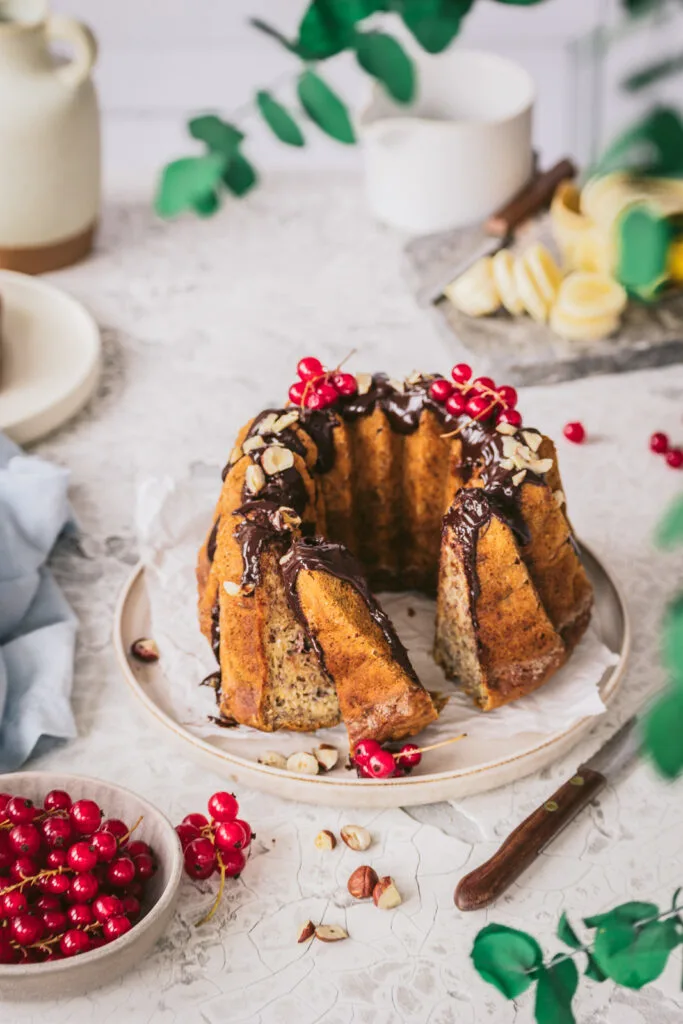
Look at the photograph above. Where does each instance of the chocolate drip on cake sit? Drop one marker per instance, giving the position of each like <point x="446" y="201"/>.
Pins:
<point x="315" y="554"/>
<point x="211" y="542"/>
<point x="261" y="521"/>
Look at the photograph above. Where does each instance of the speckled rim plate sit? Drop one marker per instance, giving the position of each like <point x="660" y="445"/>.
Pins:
<point x="473" y="771"/>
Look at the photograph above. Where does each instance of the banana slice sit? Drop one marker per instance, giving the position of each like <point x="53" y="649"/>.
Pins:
<point x="475" y="292"/>
<point x="503" y="266"/>
<point x="529" y="292"/>
<point x="581" y="328"/>
<point x="544" y="270"/>
<point x="584" y="295"/>
<point x="582" y="245"/>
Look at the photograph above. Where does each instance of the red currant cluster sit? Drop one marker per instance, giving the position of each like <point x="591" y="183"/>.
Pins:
<point x="481" y="398"/>
<point x="69" y="880"/>
<point x="373" y="761"/>
<point x="216" y="845"/>
<point x="659" y="444"/>
<point x="318" y="388"/>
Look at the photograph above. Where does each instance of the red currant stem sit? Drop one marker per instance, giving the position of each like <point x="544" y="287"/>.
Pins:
<point x="432" y="746"/>
<point x="344" y="360"/>
<point x="472" y="419"/>
<point x="46" y="943"/>
<point x="126" y="835"/>
<point x="219" y="894"/>
<point x="34" y="878"/>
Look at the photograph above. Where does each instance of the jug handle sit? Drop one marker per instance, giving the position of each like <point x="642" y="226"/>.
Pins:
<point x="78" y="35"/>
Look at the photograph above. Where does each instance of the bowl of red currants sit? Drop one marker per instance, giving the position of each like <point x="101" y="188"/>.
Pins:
<point x="89" y="878"/>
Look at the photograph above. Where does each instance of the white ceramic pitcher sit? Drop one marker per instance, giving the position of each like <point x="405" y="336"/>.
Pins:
<point x="459" y="152"/>
<point x="49" y="139"/>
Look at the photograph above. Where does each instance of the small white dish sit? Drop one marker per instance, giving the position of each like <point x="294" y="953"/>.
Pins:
<point x="49" y="357"/>
<point x="461" y="150"/>
<point x="87" y="971"/>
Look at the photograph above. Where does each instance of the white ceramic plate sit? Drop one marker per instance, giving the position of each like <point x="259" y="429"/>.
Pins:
<point x="49" y="357"/>
<point x="459" y="770"/>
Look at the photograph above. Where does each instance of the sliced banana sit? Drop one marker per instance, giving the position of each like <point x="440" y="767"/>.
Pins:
<point x="581" y="328"/>
<point x="544" y="270"/>
<point x="475" y="292"/>
<point x="586" y="295"/>
<point x="529" y="292"/>
<point x="581" y="244"/>
<point x="503" y="267"/>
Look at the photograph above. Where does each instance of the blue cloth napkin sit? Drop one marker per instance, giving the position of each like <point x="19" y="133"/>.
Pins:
<point x="37" y="626"/>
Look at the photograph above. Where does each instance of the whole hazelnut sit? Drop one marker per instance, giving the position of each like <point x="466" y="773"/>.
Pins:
<point x="362" y="882"/>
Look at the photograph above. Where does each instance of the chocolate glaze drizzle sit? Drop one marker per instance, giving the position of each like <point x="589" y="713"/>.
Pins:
<point x="315" y="554"/>
<point x="261" y="521"/>
<point x="211" y="542"/>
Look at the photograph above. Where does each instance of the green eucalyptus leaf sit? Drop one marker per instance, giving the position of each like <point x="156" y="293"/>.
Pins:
<point x="657" y="71"/>
<point x="654" y="145"/>
<point x="557" y="984"/>
<point x="274" y="33"/>
<point x="566" y="933"/>
<point x="220" y="136"/>
<point x="186" y="182"/>
<point x="239" y="176"/>
<point x="663" y="733"/>
<point x="643" y="239"/>
<point x="324" y="107"/>
<point x="206" y="206"/>
<point x="672" y="640"/>
<point x="328" y="26"/>
<point x="633" y="956"/>
<point x="593" y="971"/>
<point x="279" y="120"/>
<point x="632" y="912"/>
<point x="384" y="58"/>
<point x="435" y="26"/>
<point x="506" y="958"/>
<point x="670" y="529"/>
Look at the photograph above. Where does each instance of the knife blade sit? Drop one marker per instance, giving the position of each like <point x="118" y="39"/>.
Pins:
<point x="481" y="887"/>
<point x="498" y="230"/>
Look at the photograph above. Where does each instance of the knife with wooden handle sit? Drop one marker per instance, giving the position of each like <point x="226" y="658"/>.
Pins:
<point x="499" y="229"/>
<point x="486" y="883"/>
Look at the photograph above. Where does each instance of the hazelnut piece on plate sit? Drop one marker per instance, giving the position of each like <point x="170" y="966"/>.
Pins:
<point x="306" y="932"/>
<point x="362" y="882"/>
<point x="325" y="840"/>
<point x="356" y="837"/>
<point x="330" y="933"/>
<point x="385" y="895"/>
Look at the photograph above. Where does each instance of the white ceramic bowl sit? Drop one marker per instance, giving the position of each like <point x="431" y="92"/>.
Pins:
<point x="460" y="151"/>
<point x="87" y="971"/>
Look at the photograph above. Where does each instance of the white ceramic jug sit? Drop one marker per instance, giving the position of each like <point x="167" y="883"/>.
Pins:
<point x="49" y="139"/>
<point x="459" y="152"/>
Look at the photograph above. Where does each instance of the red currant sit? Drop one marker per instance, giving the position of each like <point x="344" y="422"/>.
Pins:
<point x="229" y="836"/>
<point x="410" y="756"/>
<point x="145" y="866"/>
<point x="83" y="888"/>
<point x="508" y="396"/>
<point x="674" y="458"/>
<point x="85" y="816"/>
<point x="12" y="903"/>
<point x="233" y="862"/>
<point x="73" y="942"/>
<point x="25" y="839"/>
<point x="82" y="857"/>
<point x="105" y="844"/>
<point x="186" y="833"/>
<point x="131" y="906"/>
<point x="118" y="828"/>
<point x="483" y="384"/>
<point x="511" y="416"/>
<point x="56" y="859"/>
<point x="461" y="373"/>
<point x="115" y="927"/>
<point x="4" y="800"/>
<point x="20" y="811"/>
<point x="56" y="832"/>
<point x="246" y="828"/>
<point x="105" y="907"/>
<point x="22" y="868"/>
<point x="344" y="383"/>
<point x="381" y="765"/>
<point x="49" y="903"/>
<point x="57" y="885"/>
<point x="309" y="367"/>
<point x="440" y="389"/>
<point x="480" y="407"/>
<point x="27" y="928"/>
<point x="200" y="858"/>
<point x="323" y="396"/>
<point x="120" y="872"/>
<point x="223" y="806"/>
<point x="363" y="750"/>
<point x="296" y="392"/>
<point x="456" y="404"/>
<point x="57" y="800"/>
<point x="9" y="954"/>
<point x="137" y="847"/>
<point x="6" y="853"/>
<point x="574" y="432"/>
<point x="198" y="821"/>
<point x="659" y="443"/>
<point x="81" y="915"/>
<point x="55" y="921"/>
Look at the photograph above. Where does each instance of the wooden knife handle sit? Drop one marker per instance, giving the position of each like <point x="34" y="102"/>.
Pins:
<point x="486" y="883"/>
<point x="532" y="198"/>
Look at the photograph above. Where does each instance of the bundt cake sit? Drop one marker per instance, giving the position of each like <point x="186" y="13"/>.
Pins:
<point x="366" y="483"/>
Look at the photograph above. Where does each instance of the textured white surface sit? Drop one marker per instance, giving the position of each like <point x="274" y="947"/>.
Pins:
<point x="203" y="323"/>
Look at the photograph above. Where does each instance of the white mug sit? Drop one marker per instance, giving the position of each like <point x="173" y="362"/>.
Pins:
<point x="459" y="152"/>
